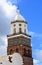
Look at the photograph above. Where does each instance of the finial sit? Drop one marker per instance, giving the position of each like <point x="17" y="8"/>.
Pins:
<point x="18" y="11"/>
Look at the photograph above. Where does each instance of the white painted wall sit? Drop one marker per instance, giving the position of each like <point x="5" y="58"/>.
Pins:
<point x="16" y="60"/>
<point x="23" y="26"/>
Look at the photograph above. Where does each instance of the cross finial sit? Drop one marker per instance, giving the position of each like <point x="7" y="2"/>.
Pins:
<point x="18" y="11"/>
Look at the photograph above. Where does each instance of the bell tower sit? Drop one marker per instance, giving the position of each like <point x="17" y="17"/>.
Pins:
<point x="19" y="41"/>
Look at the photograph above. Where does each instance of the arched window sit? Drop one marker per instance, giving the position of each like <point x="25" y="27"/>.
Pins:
<point x="14" y="30"/>
<point x="20" y="30"/>
<point x="11" y="51"/>
<point x="14" y="25"/>
<point x="19" y="24"/>
<point x="17" y="50"/>
<point x="25" y="52"/>
<point x="29" y="53"/>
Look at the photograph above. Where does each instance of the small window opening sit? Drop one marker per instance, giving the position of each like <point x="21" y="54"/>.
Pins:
<point x="20" y="30"/>
<point x="17" y="50"/>
<point x="11" y="51"/>
<point x="14" y="30"/>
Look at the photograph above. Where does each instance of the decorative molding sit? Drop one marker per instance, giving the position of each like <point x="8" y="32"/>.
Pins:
<point x="18" y="35"/>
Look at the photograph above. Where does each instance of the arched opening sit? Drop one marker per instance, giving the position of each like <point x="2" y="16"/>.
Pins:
<point x="25" y="52"/>
<point x="14" y="30"/>
<point x="17" y="50"/>
<point x="29" y="53"/>
<point x="14" y="25"/>
<point x="24" y="30"/>
<point x="11" y="51"/>
<point x="20" y="30"/>
<point x="19" y="24"/>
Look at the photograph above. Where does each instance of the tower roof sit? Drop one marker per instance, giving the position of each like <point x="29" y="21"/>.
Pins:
<point x="19" y="17"/>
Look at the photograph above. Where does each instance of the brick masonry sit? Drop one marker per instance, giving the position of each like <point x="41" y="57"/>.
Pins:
<point x="22" y="46"/>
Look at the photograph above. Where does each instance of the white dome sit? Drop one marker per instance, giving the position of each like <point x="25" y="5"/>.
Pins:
<point x="19" y="17"/>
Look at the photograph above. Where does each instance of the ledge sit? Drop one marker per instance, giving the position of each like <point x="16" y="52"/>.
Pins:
<point x="18" y="34"/>
<point x="18" y="21"/>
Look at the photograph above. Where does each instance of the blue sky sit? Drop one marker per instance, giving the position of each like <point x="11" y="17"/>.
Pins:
<point x="32" y="12"/>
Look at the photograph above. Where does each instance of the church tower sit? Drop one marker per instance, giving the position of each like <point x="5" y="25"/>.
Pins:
<point x="19" y="41"/>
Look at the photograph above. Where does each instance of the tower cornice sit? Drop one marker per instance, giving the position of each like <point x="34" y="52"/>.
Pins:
<point x="18" y="21"/>
<point x="18" y="35"/>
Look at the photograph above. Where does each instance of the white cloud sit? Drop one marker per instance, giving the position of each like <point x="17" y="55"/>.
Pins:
<point x="39" y="54"/>
<point x="3" y="41"/>
<point x="7" y="12"/>
<point x="40" y="44"/>
<point x="15" y="1"/>
<point x="34" y="34"/>
<point x="37" y="57"/>
<point x="35" y="61"/>
<point x="3" y="50"/>
<point x="8" y="8"/>
<point x="3" y="45"/>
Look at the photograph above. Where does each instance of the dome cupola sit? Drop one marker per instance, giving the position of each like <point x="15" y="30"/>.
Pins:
<point x="19" y="17"/>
